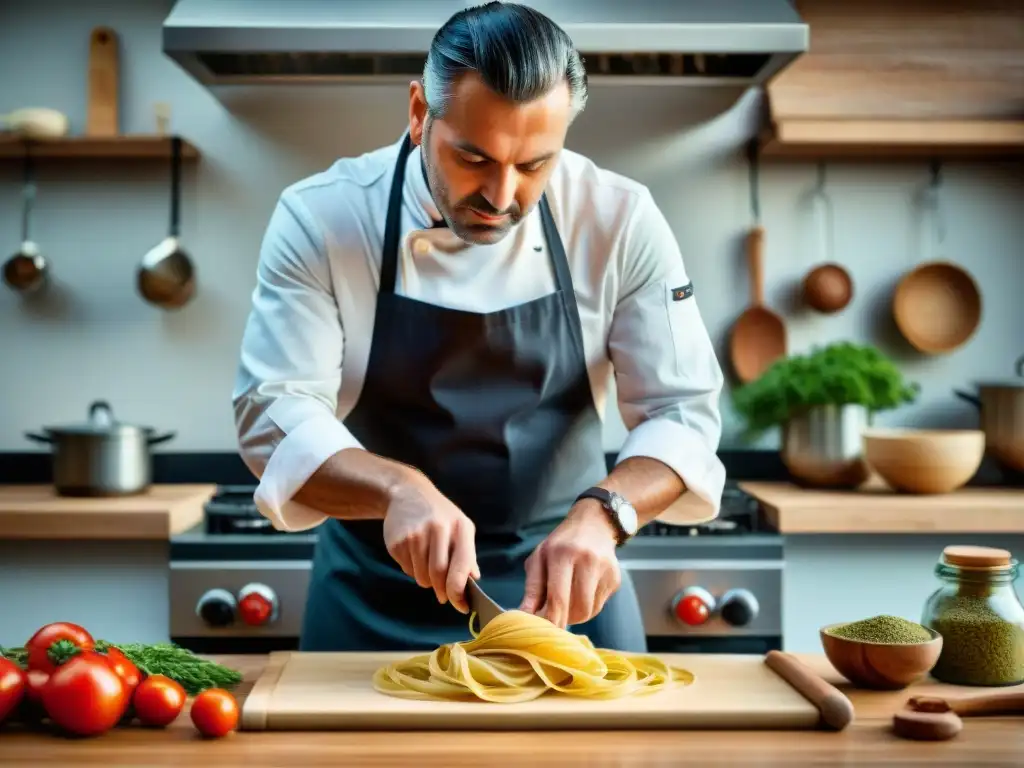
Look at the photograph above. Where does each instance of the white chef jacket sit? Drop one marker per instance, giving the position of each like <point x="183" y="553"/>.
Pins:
<point x="307" y="339"/>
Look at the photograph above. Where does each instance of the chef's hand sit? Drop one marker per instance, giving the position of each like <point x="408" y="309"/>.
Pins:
<point x="431" y="539"/>
<point x="574" y="571"/>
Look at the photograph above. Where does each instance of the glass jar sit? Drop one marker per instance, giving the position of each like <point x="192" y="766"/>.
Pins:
<point x="979" y="616"/>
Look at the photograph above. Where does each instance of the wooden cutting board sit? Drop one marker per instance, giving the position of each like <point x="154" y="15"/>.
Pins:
<point x="334" y="691"/>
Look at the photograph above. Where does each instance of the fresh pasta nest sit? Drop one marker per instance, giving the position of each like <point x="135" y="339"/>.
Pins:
<point x="518" y="657"/>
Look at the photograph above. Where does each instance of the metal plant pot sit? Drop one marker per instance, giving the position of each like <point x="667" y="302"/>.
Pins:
<point x="823" y="446"/>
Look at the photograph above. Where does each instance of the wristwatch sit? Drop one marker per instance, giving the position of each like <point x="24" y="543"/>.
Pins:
<point x="619" y="510"/>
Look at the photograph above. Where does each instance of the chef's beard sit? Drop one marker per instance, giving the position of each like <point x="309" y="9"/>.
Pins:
<point x="457" y="215"/>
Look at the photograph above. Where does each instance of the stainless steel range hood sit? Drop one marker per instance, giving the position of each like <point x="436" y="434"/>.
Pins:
<point x="679" y="42"/>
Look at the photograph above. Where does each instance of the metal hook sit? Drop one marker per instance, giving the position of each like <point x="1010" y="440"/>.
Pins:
<point x="936" y="201"/>
<point x="752" y="161"/>
<point x="28" y="192"/>
<point x="821" y="176"/>
<point x="826" y="221"/>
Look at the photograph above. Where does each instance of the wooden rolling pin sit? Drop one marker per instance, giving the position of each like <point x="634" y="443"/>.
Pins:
<point x="932" y="718"/>
<point x="835" y="708"/>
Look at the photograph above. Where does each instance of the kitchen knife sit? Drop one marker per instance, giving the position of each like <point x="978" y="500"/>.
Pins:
<point x="481" y="603"/>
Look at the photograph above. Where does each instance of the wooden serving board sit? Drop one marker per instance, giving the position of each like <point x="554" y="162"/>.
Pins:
<point x="334" y="691"/>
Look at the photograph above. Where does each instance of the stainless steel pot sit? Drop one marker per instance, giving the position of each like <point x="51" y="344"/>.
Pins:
<point x="1001" y="404"/>
<point x="101" y="457"/>
<point x="823" y="446"/>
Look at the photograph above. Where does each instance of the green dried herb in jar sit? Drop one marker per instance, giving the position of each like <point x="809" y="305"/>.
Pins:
<point x="979" y="616"/>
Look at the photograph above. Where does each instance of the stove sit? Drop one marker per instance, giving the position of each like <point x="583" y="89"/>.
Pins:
<point x="238" y="585"/>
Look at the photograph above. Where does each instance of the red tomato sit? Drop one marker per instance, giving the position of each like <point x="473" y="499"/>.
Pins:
<point x="39" y="644"/>
<point x="124" y="668"/>
<point x="34" y="683"/>
<point x="158" y="700"/>
<point x="13" y="682"/>
<point x="32" y="704"/>
<point x="215" y="712"/>
<point x="84" y="695"/>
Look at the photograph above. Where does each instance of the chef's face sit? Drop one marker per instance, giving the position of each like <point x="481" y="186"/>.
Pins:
<point x="488" y="159"/>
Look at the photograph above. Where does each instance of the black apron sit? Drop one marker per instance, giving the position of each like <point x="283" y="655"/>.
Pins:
<point x="496" y="410"/>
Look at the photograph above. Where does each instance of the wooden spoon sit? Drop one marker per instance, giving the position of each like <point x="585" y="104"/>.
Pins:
<point x="759" y="336"/>
<point x="933" y="718"/>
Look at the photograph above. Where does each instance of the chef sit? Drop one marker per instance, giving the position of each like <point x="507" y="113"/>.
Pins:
<point x="425" y="367"/>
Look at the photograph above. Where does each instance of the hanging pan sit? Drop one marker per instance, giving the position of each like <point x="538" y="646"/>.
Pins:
<point x="937" y="306"/>
<point x="166" y="278"/>
<point x="26" y="271"/>
<point x="828" y="288"/>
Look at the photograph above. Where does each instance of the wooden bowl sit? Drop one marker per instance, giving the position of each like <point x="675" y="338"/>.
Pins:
<point x="937" y="307"/>
<point x="880" y="666"/>
<point x="924" y="460"/>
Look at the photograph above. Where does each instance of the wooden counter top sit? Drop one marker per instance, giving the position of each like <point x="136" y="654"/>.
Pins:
<point x="792" y="510"/>
<point x="869" y="741"/>
<point x="36" y="512"/>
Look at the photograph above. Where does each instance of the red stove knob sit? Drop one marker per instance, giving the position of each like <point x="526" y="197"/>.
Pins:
<point x="257" y="604"/>
<point x="693" y="606"/>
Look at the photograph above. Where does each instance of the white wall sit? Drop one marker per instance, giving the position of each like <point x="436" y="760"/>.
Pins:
<point x="95" y="338"/>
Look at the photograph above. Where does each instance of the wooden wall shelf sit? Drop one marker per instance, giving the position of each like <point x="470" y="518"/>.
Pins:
<point x="893" y="139"/>
<point x="127" y="147"/>
<point x="909" y="79"/>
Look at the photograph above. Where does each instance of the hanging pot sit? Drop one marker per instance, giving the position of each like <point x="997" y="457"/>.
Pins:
<point x="1001" y="404"/>
<point x="101" y="457"/>
<point x="26" y="271"/>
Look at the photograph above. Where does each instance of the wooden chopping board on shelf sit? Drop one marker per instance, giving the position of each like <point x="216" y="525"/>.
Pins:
<point x="334" y="691"/>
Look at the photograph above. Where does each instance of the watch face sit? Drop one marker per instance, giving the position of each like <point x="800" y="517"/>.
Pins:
<point x="626" y="514"/>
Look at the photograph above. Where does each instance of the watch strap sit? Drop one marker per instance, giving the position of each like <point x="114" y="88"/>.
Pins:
<point x="605" y="497"/>
<point x="596" y="492"/>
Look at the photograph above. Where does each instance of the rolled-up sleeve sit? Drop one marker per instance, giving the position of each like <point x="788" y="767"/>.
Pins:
<point x="667" y="375"/>
<point x="289" y="373"/>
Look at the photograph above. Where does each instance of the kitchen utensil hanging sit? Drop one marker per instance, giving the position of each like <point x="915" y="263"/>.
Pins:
<point x="758" y="337"/>
<point x="166" y="277"/>
<point x="27" y="271"/>
<point x="827" y="288"/>
<point x="937" y="305"/>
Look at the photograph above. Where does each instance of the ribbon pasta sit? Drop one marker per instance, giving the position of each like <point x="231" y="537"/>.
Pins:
<point x="518" y="657"/>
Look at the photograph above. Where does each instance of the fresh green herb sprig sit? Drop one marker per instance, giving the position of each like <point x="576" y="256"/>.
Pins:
<point x="843" y="373"/>
<point x="195" y="674"/>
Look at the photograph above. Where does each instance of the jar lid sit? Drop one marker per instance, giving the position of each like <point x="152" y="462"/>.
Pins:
<point x="967" y="556"/>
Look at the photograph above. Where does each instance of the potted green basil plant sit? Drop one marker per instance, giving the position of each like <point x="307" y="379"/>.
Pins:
<point x="822" y="401"/>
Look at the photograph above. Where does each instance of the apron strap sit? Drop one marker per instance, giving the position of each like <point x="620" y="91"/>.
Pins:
<point x="393" y="222"/>
<point x="563" y="277"/>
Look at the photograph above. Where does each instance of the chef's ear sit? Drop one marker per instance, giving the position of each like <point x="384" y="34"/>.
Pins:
<point x="417" y="111"/>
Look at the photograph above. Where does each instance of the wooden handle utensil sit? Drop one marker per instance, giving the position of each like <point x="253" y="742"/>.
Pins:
<point x="1006" y="703"/>
<point x="835" y="708"/>
<point x="102" y="107"/>
<point x="934" y="718"/>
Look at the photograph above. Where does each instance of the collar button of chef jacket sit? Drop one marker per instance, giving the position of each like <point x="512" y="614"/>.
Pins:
<point x="421" y="246"/>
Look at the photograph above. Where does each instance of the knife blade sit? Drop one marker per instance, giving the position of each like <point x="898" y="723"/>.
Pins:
<point x="479" y="601"/>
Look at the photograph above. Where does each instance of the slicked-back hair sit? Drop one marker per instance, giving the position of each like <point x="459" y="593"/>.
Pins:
<point x="517" y="51"/>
